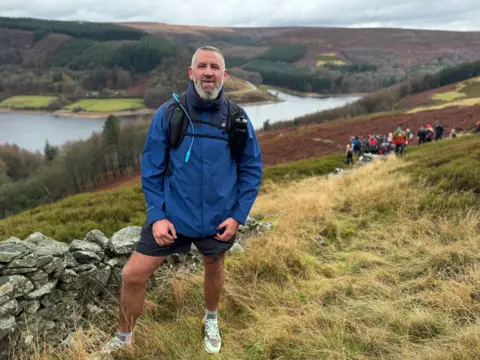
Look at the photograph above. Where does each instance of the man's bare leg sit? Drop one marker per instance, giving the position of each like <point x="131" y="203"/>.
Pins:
<point x="135" y="275"/>
<point x="213" y="281"/>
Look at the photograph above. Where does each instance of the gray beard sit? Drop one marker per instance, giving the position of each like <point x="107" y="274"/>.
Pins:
<point x="203" y="94"/>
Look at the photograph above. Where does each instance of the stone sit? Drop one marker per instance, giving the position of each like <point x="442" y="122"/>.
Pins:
<point x="58" y="271"/>
<point x="237" y="249"/>
<point x="10" y="308"/>
<point x="103" y="275"/>
<point x="68" y="276"/>
<point x="44" y="245"/>
<point x="28" y="261"/>
<point x="21" y="285"/>
<point x="16" y="271"/>
<point x="124" y="240"/>
<point x="53" y="298"/>
<point x="62" y="311"/>
<point x="85" y="256"/>
<point x="31" y="307"/>
<point x="28" y="341"/>
<point x="74" y="285"/>
<point x="13" y="248"/>
<point x="79" y="245"/>
<point x="117" y="275"/>
<point x="43" y="260"/>
<point x="38" y="278"/>
<point x="68" y="342"/>
<point x="7" y="325"/>
<point x="94" y="310"/>
<point x="87" y="276"/>
<point x="113" y="262"/>
<point x="101" y="279"/>
<point x="69" y="261"/>
<point x="84" y="267"/>
<point x="53" y="265"/>
<point x="118" y="261"/>
<point x="49" y="325"/>
<point x="46" y="289"/>
<point x="97" y="237"/>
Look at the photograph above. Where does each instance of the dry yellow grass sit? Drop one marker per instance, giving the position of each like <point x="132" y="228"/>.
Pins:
<point x="464" y="102"/>
<point x="355" y="268"/>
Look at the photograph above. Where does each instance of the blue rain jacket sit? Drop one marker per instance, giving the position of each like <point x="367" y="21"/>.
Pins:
<point x="212" y="186"/>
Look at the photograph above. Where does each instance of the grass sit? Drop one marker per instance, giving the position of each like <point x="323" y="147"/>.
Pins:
<point x="27" y="102"/>
<point x="355" y="268"/>
<point x="463" y="102"/>
<point x="256" y="95"/>
<point x="235" y="84"/>
<point x="468" y="89"/>
<point x="107" y="105"/>
<point x="108" y="211"/>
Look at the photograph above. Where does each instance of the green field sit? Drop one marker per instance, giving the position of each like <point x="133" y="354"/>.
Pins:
<point x="328" y="58"/>
<point x="106" y="105"/>
<point x="27" y="102"/>
<point x="465" y="90"/>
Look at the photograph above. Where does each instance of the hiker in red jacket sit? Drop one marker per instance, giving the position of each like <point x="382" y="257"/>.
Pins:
<point x="400" y="139"/>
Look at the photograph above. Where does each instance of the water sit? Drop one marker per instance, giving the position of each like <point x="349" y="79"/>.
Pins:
<point x="31" y="131"/>
<point x="292" y="107"/>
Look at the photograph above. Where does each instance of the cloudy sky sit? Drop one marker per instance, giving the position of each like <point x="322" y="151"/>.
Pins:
<point x="421" y="14"/>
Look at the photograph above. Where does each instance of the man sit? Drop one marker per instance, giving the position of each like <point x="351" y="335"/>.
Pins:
<point x="438" y="132"/>
<point x="199" y="192"/>
<point x="400" y="140"/>
<point x="421" y="135"/>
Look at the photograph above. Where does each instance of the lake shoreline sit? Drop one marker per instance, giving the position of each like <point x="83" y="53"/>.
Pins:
<point x="81" y="114"/>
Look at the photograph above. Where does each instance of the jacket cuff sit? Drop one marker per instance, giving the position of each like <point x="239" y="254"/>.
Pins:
<point x="239" y="216"/>
<point x="155" y="214"/>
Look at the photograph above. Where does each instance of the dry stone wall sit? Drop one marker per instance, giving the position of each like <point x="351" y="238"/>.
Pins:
<point x="49" y="288"/>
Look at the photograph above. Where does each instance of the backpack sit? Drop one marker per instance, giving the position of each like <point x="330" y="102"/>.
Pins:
<point x="236" y="127"/>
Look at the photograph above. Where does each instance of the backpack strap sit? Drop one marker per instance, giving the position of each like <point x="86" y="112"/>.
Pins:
<point x="178" y="123"/>
<point x="237" y="129"/>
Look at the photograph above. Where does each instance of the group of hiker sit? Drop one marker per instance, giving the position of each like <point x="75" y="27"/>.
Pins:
<point x="395" y="141"/>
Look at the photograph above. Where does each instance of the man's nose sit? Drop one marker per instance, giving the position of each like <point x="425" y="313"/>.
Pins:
<point x="208" y="71"/>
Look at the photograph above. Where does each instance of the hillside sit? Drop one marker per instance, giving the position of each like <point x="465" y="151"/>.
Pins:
<point x="377" y="264"/>
<point x="329" y="59"/>
<point x="306" y="59"/>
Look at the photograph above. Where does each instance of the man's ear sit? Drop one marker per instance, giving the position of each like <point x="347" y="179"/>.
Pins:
<point x="190" y="73"/>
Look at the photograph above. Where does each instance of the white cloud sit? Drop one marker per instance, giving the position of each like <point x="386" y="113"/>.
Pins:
<point x="426" y="14"/>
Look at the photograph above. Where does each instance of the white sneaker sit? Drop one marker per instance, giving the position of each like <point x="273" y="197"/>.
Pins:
<point x="110" y="347"/>
<point x="211" y="340"/>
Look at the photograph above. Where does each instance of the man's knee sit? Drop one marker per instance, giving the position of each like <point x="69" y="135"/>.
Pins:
<point x="214" y="265"/>
<point x="133" y="274"/>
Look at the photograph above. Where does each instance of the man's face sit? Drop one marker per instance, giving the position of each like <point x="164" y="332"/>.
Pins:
<point x="208" y="74"/>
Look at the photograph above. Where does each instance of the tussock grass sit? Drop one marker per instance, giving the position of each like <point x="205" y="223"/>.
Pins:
<point x="355" y="268"/>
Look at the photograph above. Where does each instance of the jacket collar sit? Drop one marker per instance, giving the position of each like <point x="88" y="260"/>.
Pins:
<point x="201" y="104"/>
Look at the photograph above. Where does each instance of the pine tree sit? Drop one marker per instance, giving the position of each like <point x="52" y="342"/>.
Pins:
<point x="50" y="151"/>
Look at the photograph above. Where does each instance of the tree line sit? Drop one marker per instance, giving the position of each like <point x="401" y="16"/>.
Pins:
<point x="386" y="99"/>
<point x="76" y="29"/>
<point x="31" y="179"/>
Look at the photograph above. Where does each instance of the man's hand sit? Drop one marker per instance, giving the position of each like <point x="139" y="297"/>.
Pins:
<point x="164" y="232"/>
<point x="231" y="227"/>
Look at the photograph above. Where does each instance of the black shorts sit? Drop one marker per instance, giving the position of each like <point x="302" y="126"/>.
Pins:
<point x="208" y="246"/>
